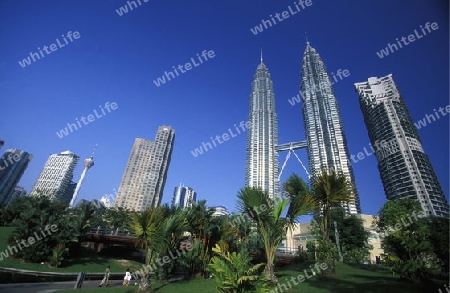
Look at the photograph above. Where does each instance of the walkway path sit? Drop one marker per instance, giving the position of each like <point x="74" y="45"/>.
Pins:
<point x="50" y="287"/>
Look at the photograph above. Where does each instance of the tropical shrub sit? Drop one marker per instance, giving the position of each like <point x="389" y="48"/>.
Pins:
<point x="234" y="273"/>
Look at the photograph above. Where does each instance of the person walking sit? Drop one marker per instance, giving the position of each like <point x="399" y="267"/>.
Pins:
<point x="105" y="280"/>
<point x="127" y="278"/>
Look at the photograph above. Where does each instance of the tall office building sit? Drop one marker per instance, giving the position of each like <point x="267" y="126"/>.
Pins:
<point x="405" y="169"/>
<point x="17" y="192"/>
<point x="12" y="166"/>
<point x="69" y="192"/>
<point x="146" y="171"/>
<point x="262" y="167"/>
<point x="183" y="197"/>
<point x="55" y="180"/>
<point x="326" y="142"/>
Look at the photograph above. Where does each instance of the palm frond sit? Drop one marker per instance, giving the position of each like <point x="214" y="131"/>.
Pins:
<point x="251" y="201"/>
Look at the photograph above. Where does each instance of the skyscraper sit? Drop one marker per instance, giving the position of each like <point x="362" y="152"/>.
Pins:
<point x="183" y="197"/>
<point x="17" y="192"/>
<point x="12" y="166"/>
<point x="405" y="169"/>
<point x="69" y="192"/>
<point x="327" y="145"/>
<point x="56" y="177"/>
<point x="262" y="165"/>
<point x="146" y="171"/>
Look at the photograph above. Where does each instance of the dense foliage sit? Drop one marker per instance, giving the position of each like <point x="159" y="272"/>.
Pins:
<point x="413" y="250"/>
<point x="51" y="230"/>
<point x="353" y="238"/>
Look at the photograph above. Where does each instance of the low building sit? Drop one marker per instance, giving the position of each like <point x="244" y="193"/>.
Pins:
<point x="374" y="237"/>
<point x="297" y="238"/>
<point x="220" y="211"/>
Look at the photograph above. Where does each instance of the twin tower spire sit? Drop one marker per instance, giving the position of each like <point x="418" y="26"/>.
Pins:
<point x="325" y="139"/>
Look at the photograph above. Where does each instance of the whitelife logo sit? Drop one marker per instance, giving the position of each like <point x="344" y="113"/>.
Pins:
<point x="411" y="38"/>
<point x="341" y="73"/>
<point x="423" y="122"/>
<point x="11" y="159"/>
<point x="204" y="147"/>
<point x="26" y="243"/>
<point x="76" y="35"/>
<point x="124" y="9"/>
<point x="285" y="14"/>
<point x="186" y="246"/>
<point x="300" y="278"/>
<point x="188" y="66"/>
<point x="90" y="118"/>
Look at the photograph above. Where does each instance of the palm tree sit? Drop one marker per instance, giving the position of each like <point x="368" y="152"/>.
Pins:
<point x="199" y="217"/>
<point x="159" y="231"/>
<point x="146" y="226"/>
<point x="267" y="214"/>
<point x="173" y="228"/>
<point x="327" y="191"/>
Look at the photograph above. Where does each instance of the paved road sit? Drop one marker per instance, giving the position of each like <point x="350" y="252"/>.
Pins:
<point x="50" y="287"/>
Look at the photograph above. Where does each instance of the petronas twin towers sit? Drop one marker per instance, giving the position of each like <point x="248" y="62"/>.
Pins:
<point x="325" y="139"/>
<point x="262" y="158"/>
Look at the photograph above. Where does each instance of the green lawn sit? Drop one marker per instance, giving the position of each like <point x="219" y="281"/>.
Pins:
<point x="349" y="279"/>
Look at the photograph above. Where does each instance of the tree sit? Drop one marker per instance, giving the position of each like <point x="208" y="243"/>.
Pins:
<point x="117" y="217"/>
<point x="173" y="228"/>
<point x="353" y="238"/>
<point x="439" y="237"/>
<point x="159" y="231"/>
<point x="267" y="214"/>
<point x="407" y="246"/>
<point x="81" y="221"/>
<point x="31" y="216"/>
<point x="327" y="191"/>
<point x="194" y="261"/>
<point x="146" y="226"/>
<point x="199" y="217"/>
<point x="204" y="227"/>
<point x="2" y="216"/>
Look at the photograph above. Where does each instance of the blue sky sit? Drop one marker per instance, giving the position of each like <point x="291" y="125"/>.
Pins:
<point x="116" y="58"/>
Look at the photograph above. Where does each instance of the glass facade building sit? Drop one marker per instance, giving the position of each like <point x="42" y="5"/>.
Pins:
<point x="405" y="169"/>
<point x="13" y="164"/>
<point x="16" y="193"/>
<point x="183" y="197"/>
<point x="262" y="167"/>
<point x="326" y="142"/>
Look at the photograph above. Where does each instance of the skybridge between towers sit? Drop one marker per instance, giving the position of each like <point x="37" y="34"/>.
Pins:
<point x="291" y="146"/>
